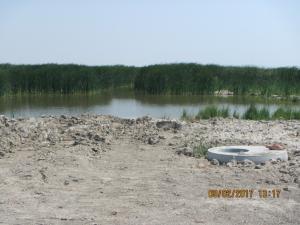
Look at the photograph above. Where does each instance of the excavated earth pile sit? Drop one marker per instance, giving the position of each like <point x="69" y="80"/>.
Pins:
<point x="108" y="170"/>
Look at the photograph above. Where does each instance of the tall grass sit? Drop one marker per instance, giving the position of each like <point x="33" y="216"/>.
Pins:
<point x="212" y="111"/>
<point x="286" y="114"/>
<point x="184" y="115"/>
<point x="63" y="79"/>
<point x="207" y="79"/>
<point x="156" y="79"/>
<point x="200" y="150"/>
<point x="252" y="113"/>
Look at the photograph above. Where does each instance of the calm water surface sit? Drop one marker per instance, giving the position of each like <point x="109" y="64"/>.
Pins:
<point x="127" y="105"/>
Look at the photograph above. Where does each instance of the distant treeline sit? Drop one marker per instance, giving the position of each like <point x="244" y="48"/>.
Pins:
<point x="207" y="79"/>
<point x="156" y="79"/>
<point x="64" y="79"/>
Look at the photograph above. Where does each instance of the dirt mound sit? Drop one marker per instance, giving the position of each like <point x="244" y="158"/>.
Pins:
<point x="108" y="170"/>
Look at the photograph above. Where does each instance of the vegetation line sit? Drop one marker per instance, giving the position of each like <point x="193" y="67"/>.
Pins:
<point x="63" y="79"/>
<point x="156" y="79"/>
<point x="252" y="113"/>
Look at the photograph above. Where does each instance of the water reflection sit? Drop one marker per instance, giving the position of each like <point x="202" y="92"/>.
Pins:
<point x="127" y="104"/>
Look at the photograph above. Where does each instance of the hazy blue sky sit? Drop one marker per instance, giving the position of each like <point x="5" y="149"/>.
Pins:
<point x="142" y="32"/>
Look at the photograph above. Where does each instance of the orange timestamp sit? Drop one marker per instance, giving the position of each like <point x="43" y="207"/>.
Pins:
<point x="243" y="193"/>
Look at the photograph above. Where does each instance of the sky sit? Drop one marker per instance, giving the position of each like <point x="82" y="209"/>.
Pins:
<point x="262" y="33"/>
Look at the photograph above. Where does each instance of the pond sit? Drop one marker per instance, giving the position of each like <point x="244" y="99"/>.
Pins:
<point x="128" y="105"/>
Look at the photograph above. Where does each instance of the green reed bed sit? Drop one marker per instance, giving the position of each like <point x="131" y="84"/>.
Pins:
<point x="63" y="79"/>
<point x="212" y="111"/>
<point x="179" y="79"/>
<point x="287" y="114"/>
<point x="252" y="113"/>
<point x="210" y="79"/>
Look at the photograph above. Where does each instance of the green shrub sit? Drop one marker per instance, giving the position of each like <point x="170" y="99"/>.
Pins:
<point x="252" y="113"/>
<point x="286" y="114"/>
<point x="211" y="112"/>
<point x="200" y="151"/>
<point x="263" y="114"/>
<point x="208" y="112"/>
<point x="296" y="115"/>
<point x="224" y="112"/>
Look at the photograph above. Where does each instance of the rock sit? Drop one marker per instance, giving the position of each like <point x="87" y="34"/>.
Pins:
<point x="275" y="147"/>
<point x="213" y="121"/>
<point x="95" y="150"/>
<point x="267" y="163"/>
<point x="292" y="164"/>
<point x="296" y="153"/>
<point x="285" y="189"/>
<point x="283" y="167"/>
<point x="114" y="213"/>
<point x="76" y="142"/>
<point x="269" y="181"/>
<point x="229" y="164"/>
<point x="152" y="140"/>
<point x="258" y="167"/>
<point x="232" y="163"/>
<point x="283" y="171"/>
<point x="215" y="162"/>
<point x="273" y="161"/>
<point x="98" y="138"/>
<point x="248" y="163"/>
<point x="143" y="119"/>
<point x="90" y="135"/>
<point x="278" y="160"/>
<point x="128" y="121"/>
<point x="284" y="180"/>
<point x="167" y="124"/>
<point x="185" y="151"/>
<point x="4" y="121"/>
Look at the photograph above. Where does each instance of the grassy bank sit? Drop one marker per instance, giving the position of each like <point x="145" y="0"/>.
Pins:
<point x="180" y="79"/>
<point x="252" y="113"/>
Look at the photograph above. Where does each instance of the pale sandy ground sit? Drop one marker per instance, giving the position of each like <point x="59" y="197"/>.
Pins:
<point x="102" y="170"/>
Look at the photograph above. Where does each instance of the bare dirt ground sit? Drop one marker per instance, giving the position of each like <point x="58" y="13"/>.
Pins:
<point x="106" y="170"/>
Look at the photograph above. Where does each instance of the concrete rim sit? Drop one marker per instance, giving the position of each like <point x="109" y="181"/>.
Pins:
<point x="257" y="154"/>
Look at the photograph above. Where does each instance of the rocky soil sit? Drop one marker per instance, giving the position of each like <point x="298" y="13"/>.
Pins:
<point x="107" y="170"/>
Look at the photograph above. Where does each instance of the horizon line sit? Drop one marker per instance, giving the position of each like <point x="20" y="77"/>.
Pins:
<point x="148" y="65"/>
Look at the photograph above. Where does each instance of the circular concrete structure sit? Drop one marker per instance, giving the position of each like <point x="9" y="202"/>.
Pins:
<point x="257" y="154"/>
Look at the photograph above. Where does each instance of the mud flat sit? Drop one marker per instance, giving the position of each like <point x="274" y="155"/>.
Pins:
<point x="107" y="170"/>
